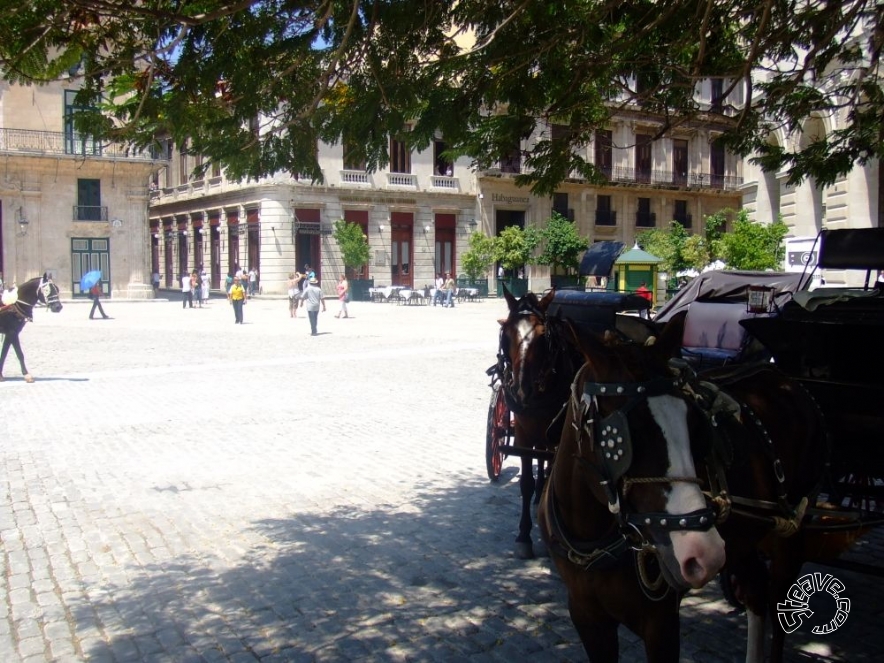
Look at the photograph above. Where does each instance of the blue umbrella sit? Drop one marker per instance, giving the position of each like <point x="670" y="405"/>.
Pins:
<point x="89" y="279"/>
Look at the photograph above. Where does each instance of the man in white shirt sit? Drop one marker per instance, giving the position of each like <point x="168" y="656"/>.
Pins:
<point x="186" y="291"/>
<point x="439" y="295"/>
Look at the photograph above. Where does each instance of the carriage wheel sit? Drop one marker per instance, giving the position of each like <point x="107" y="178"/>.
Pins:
<point x="498" y="432"/>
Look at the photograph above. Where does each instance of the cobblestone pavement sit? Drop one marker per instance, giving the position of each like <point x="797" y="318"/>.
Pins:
<point x="179" y="488"/>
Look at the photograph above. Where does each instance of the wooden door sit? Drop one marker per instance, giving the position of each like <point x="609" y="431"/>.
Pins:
<point x="401" y="258"/>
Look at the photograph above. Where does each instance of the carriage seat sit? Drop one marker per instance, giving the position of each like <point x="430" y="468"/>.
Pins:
<point x="713" y="335"/>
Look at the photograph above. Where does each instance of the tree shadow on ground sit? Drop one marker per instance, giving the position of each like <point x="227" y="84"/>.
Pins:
<point x="431" y="579"/>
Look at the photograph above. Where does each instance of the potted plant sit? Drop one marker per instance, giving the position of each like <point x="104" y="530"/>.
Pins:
<point x="561" y="248"/>
<point x="513" y="249"/>
<point x="476" y="262"/>
<point x="353" y="245"/>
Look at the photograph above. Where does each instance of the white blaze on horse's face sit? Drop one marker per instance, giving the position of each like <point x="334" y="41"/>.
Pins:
<point x="700" y="555"/>
<point x="525" y="331"/>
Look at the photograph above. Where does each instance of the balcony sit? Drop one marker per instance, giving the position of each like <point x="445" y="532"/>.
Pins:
<point x="605" y="217"/>
<point x="645" y="220"/>
<point x="358" y="177"/>
<point x="445" y="183"/>
<point x="90" y="213"/>
<point x="25" y="141"/>
<point x="698" y="180"/>
<point x="402" y="179"/>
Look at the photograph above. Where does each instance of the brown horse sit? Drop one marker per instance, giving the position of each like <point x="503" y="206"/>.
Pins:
<point x="759" y="444"/>
<point x="536" y="362"/>
<point x="535" y="365"/>
<point x="776" y="457"/>
<point x="40" y="291"/>
<point x="622" y="510"/>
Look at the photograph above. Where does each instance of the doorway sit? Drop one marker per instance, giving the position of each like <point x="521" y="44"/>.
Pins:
<point x="401" y="249"/>
<point x="88" y="254"/>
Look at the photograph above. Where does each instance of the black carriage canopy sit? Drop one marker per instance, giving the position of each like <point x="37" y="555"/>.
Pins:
<point x="599" y="258"/>
<point x="730" y="286"/>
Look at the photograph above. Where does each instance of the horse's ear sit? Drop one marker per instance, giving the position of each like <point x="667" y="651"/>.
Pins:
<point x="592" y="347"/>
<point x="547" y="299"/>
<point x="510" y="300"/>
<point x="669" y="340"/>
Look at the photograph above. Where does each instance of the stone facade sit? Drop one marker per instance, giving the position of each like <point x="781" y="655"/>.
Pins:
<point x="69" y="204"/>
<point x="419" y="212"/>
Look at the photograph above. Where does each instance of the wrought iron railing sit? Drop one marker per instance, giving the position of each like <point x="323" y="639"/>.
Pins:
<point x="605" y="217"/>
<point x="645" y="219"/>
<point x="55" y="142"/>
<point x="90" y="213"/>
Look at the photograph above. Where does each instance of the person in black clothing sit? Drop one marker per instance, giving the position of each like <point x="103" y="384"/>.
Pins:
<point x="95" y="294"/>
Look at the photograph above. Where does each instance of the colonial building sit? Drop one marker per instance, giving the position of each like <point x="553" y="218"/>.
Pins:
<point x="69" y="204"/>
<point x="854" y="200"/>
<point x="419" y="212"/>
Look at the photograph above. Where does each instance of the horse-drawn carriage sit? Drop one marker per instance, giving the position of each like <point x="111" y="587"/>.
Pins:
<point x="775" y="391"/>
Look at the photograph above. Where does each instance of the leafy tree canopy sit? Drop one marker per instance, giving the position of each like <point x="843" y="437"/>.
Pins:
<point x="201" y="71"/>
<point x="750" y="245"/>
<point x="353" y="244"/>
<point x="514" y="247"/>
<point x="560" y="244"/>
<point x="477" y="260"/>
<point x="668" y="244"/>
<point x="754" y="245"/>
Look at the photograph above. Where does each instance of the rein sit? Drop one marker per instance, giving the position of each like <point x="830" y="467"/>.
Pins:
<point x="784" y="518"/>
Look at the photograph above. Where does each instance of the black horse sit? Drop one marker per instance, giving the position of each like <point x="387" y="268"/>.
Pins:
<point x="40" y="291"/>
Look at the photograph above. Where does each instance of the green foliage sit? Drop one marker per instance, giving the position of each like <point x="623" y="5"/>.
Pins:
<point x="749" y="245"/>
<point x="671" y="245"/>
<point x="754" y="246"/>
<point x="477" y="260"/>
<point x="353" y="244"/>
<point x="200" y="71"/>
<point x="514" y="247"/>
<point x="560" y="244"/>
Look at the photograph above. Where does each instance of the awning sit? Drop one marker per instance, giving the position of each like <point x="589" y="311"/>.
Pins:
<point x="599" y="258"/>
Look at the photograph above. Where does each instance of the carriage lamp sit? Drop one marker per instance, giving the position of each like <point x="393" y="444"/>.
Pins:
<point x="426" y="229"/>
<point x="473" y="224"/>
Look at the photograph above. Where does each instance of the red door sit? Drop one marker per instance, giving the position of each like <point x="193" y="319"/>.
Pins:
<point x="401" y="259"/>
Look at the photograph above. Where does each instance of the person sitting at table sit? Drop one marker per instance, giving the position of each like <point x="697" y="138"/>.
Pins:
<point x="449" y="289"/>
<point x="439" y="295"/>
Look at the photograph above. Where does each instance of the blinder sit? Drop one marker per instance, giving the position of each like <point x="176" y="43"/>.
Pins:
<point x="612" y="449"/>
<point x="48" y="291"/>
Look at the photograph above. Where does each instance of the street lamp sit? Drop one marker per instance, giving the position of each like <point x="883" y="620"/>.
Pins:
<point x="22" y="222"/>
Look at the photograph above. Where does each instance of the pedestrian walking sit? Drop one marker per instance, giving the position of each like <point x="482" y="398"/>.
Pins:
<point x="155" y="281"/>
<point x="343" y="289"/>
<point x="439" y="293"/>
<point x="312" y="297"/>
<point x="294" y="293"/>
<point x="196" y="288"/>
<point x="186" y="291"/>
<point x="449" y="289"/>
<point x="237" y="297"/>
<point x="253" y="281"/>
<point x="204" y="287"/>
<point x="95" y="294"/>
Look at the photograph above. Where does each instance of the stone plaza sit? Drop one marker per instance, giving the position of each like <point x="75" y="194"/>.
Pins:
<point x="179" y="488"/>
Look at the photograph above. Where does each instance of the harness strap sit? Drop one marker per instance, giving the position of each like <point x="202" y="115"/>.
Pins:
<point x="597" y="554"/>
